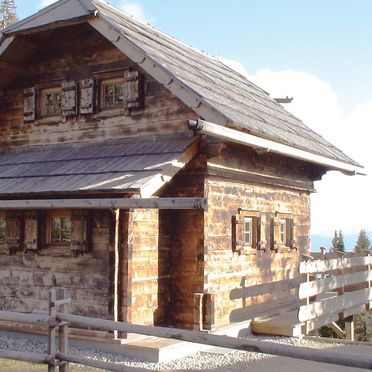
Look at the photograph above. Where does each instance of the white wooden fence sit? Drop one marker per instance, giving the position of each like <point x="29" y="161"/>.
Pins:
<point x="334" y="288"/>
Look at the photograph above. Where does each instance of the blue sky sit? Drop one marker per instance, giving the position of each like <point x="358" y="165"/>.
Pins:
<point x="320" y="52"/>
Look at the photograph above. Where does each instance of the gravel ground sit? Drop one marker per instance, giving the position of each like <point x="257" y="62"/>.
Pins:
<point x="215" y="360"/>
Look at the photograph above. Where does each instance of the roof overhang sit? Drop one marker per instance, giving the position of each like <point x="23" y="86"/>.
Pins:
<point x="242" y="138"/>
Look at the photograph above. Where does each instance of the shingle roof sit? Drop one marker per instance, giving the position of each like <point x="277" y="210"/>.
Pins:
<point x="228" y="95"/>
<point x="138" y="165"/>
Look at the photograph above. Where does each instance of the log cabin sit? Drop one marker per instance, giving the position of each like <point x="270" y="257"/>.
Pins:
<point x="155" y="183"/>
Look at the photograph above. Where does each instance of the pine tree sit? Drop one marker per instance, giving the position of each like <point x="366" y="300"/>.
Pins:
<point x="338" y="244"/>
<point x="341" y="243"/>
<point x="8" y="14"/>
<point x="363" y="243"/>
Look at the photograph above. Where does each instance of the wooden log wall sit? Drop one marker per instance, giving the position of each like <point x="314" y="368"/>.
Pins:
<point x="27" y="277"/>
<point x="141" y="264"/>
<point x="75" y="53"/>
<point x="251" y="283"/>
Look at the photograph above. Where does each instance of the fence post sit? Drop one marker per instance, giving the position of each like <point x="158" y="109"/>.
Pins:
<point x="63" y="332"/>
<point x="52" y="330"/>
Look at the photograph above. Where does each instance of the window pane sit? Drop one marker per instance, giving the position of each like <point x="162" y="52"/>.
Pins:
<point x="119" y="100"/>
<point x="248" y="231"/>
<point x="56" y="223"/>
<point x="119" y="89"/>
<point x="109" y="89"/>
<point x="109" y="101"/>
<point x="66" y="235"/>
<point x="66" y="223"/>
<point x="55" y="235"/>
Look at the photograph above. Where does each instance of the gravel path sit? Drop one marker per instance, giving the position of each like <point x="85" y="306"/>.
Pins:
<point x="216" y="360"/>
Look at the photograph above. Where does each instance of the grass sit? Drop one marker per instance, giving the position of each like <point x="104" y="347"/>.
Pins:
<point x="7" y="365"/>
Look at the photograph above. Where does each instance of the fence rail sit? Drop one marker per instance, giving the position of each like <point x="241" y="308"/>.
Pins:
<point x="62" y="320"/>
<point x="334" y="286"/>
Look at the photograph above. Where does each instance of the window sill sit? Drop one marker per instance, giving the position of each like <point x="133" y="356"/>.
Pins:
<point x="110" y="113"/>
<point x="49" y="120"/>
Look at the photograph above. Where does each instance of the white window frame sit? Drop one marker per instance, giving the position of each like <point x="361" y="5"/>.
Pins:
<point x="249" y="232"/>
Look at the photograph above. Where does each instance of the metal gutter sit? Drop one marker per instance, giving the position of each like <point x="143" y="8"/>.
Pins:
<point x="232" y="135"/>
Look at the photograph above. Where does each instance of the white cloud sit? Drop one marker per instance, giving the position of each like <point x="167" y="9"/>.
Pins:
<point x="135" y="9"/>
<point x="342" y="202"/>
<point x="44" y="3"/>
<point x="235" y="65"/>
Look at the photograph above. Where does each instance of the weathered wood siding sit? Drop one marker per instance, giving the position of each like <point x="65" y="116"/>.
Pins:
<point x="27" y="277"/>
<point x="250" y="284"/>
<point x="140" y="268"/>
<point x="182" y="244"/>
<point x="76" y="53"/>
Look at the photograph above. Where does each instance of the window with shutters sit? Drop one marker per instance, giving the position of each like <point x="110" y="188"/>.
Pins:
<point x="59" y="227"/>
<point x="112" y="93"/>
<point x="51" y="102"/>
<point x="248" y="231"/>
<point x="283" y="232"/>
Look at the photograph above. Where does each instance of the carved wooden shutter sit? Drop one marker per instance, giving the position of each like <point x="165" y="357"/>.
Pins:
<point x="292" y="234"/>
<point x="87" y="100"/>
<point x="276" y="227"/>
<point x="13" y="232"/>
<point x="256" y="231"/>
<point x="262" y="232"/>
<point x="32" y="231"/>
<point x="131" y="90"/>
<point x="69" y="98"/>
<point x="29" y="106"/>
<point x="237" y="232"/>
<point x="80" y="236"/>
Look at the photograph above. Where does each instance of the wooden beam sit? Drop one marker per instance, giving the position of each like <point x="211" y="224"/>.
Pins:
<point x="334" y="304"/>
<point x="26" y="356"/>
<point x="336" y="328"/>
<point x="5" y="43"/>
<point x="123" y="203"/>
<point x="236" y="136"/>
<point x="273" y="348"/>
<point x="315" y="287"/>
<point x="320" y="266"/>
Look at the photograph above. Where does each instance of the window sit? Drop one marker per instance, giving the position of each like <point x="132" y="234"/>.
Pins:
<point x="51" y="102"/>
<point x="112" y="93"/>
<point x="283" y="232"/>
<point x="248" y="231"/>
<point x="59" y="227"/>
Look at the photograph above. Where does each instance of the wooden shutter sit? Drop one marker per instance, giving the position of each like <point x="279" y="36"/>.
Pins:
<point x="13" y="232"/>
<point x="87" y="99"/>
<point x="69" y="107"/>
<point x="276" y="225"/>
<point x="237" y="232"/>
<point x="29" y="106"/>
<point x="132" y="90"/>
<point x="32" y="231"/>
<point x="292" y="234"/>
<point x="256" y="232"/>
<point x="80" y="234"/>
<point x="261" y="232"/>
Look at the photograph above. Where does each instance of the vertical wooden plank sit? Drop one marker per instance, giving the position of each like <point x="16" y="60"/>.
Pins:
<point x="13" y="232"/>
<point x="64" y="332"/>
<point x="208" y="311"/>
<point x="349" y="328"/>
<point x="198" y="311"/>
<point x="52" y="330"/>
<point x="31" y="231"/>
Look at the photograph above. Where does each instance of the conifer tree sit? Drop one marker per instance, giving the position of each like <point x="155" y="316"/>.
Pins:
<point x="8" y="14"/>
<point x="363" y="243"/>
<point x="338" y="244"/>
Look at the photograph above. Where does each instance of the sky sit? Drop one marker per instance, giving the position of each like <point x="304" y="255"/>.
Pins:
<point x="318" y="52"/>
